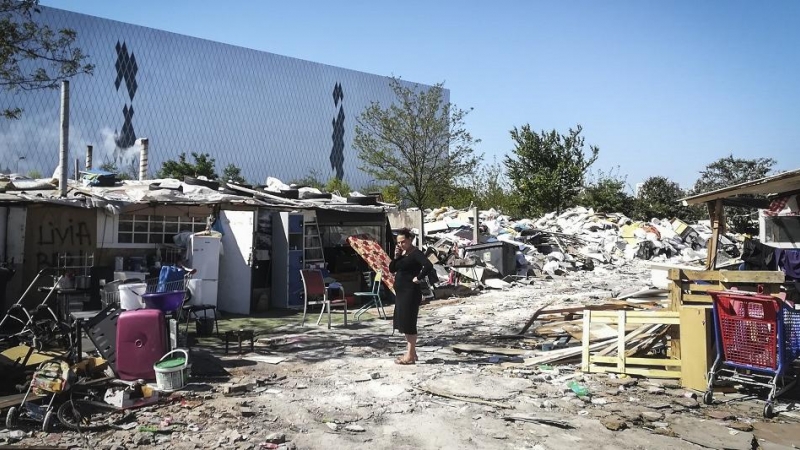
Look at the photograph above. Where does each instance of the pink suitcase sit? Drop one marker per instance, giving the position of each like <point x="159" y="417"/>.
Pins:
<point x="141" y="342"/>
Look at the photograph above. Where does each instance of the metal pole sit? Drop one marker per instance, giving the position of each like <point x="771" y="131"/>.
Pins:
<point x="143" y="156"/>
<point x="475" y="225"/>
<point x="88" y="157"/>
<point x="64" y="147"/>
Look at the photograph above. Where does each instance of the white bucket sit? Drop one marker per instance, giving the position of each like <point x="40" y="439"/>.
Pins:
<point x="130" y="295"/>
<point x="174" y="377"/>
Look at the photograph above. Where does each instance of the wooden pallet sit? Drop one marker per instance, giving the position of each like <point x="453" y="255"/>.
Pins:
<point x="692" y="286"/>
<point x="628" y="354"/>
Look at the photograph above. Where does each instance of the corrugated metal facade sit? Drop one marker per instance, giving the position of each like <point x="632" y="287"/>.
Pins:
<point x="270" y="115"/>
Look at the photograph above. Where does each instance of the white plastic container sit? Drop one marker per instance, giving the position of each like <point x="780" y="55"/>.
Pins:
<point x="130" y="295"/>
<point x="172" y="373"/>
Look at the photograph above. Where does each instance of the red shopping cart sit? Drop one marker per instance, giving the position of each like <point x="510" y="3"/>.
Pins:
<point x="758" y="338"/>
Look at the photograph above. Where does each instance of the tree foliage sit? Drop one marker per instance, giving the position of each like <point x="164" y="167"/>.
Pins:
<point x="607" y="193"/>
<point x="121" y="174"/>
<point x="485" y="187"/>
<point x="659" y="198"/>
<point x="729" y="171"/>
<point x="233" y="173"/>
<point x="33" y="55"/>
<point x="203" y="166"/>
<point x="548" y="168"/>
<point x="417" y="143"/>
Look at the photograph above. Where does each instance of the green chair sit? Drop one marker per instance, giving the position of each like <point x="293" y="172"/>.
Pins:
<point x="373" y="298"/>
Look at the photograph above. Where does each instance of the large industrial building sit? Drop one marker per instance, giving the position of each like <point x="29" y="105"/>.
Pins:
<point x="268" y="114"/>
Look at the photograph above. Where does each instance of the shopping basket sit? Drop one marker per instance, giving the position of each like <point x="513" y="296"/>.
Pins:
<point x="758" y="338"/>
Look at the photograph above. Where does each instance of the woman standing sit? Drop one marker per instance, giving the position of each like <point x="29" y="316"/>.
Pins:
<point x="409" y="267"/>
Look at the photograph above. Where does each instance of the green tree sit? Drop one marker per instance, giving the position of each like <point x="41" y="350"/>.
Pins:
<point x="336" y="185"/>
<point x="33" y="55"/>
<point x="607" y="193"/>
<point x="34" y="174"/>
<point x="389" y="192"/>
<point x="312" y="180"/>
<point x="548" y="169"/>
<point x="729" y="171"/>
<point x="203" y="166"/>
<point x="233" y="173"/>
<point x="485" y="187"/>
<point x="417" y="143"/>
<point x="112" y="167"/>
<point x="659" y="198"/>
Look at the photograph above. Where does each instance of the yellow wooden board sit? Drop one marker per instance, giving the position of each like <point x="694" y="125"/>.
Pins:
<point x="18" y="353"/>
<point x="696" y="346"/>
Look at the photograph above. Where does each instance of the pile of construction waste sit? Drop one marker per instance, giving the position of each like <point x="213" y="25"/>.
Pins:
<point x="577" y="239"/>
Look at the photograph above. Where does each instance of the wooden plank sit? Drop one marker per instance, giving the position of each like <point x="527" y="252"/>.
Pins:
<point x="717" y="214"/>
<point x="587" y="319"/>
<point x="641" y="320"/>
<point x="621" y="342"/>
<point x="655" y="362"/>
<point x="704" y="275"/>
<point x="701" y="287"/>
<point x="650" y="373"/>
<point x="752" y="276"/>
<point x="558" y="355"/>
<point x="697" y="353"/>
<point x="635" y="336"/>
<point x="468" y="348"/>
<point x="661" y="313"/>
<point x="696" y="298"/>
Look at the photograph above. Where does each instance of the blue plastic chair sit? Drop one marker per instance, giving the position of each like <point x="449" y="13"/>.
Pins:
<point x="373" y="298"/>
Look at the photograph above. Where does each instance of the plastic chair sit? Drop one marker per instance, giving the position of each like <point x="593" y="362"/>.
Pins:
<point x="316" y="293"/>
<point x="374" y="298"/>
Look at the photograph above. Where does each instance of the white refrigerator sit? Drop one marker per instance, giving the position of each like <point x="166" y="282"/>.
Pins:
<point x="204" y="253"/>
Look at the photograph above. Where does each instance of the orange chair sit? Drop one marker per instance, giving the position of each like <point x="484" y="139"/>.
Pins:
<point x="316" y="293"/>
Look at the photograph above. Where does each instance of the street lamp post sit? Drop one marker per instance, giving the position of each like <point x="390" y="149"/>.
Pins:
<point x="18" y="160"/>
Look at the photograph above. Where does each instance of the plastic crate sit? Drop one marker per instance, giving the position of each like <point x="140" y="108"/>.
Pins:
<point x="750" y="332"/>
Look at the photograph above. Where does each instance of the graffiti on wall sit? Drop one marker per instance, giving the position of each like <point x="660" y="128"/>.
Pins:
<point x="69" y="237"/>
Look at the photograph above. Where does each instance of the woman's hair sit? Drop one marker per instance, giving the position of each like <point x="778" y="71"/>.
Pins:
<point x="406" y="233"/>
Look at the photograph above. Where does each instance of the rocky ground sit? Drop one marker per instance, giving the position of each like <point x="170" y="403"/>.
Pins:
<point x="339" y="388"/>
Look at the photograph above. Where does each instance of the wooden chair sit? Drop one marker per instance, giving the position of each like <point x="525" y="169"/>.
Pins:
<point x="373" y="296"/>
<point x="316" y="293"/>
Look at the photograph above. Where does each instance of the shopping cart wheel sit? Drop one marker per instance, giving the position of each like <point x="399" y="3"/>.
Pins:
<point x="768" y="412"/>
<point x="47" y="423"/>
<point x="12" y="418"/>
<point x="708" y="397"/>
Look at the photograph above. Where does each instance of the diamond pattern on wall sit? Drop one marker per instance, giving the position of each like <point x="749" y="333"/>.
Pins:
<point x="268" y="114"/>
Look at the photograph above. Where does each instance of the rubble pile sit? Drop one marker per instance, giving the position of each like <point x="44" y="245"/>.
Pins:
<point x="577" y="239"/>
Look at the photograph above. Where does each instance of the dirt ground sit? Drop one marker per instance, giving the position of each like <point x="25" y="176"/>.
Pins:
<point x="340" y="388"/>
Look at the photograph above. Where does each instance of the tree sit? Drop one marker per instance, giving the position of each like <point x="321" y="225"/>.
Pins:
<point x="730" y="171"/>
<point x="112" y="167"/>
<point x="234" y="174"/>
<point x="485" y="187"/>
<point x="312" y="180"/>
<point x="417" y="143"/>
<point x="203" y="166"/>
<point x="548" y="169"/>
<point x="606" y="193"/>
<point x="659" y="198"/>
<point x="337" y="185"/>
<point x="32" y="55"/>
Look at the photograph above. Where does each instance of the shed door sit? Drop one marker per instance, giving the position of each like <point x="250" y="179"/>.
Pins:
<point x="235" y="272"/>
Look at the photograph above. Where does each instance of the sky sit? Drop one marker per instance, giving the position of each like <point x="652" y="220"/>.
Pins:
<point x="661" y="87"/>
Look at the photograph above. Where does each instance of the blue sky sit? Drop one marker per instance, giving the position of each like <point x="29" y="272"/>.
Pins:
<point x="662" y="87"/>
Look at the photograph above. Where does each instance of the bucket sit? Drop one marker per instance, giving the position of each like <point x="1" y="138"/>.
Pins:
<point x="172" y="373"/>
<point x="130" y="295"/>
<point x="204" y="326"/>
